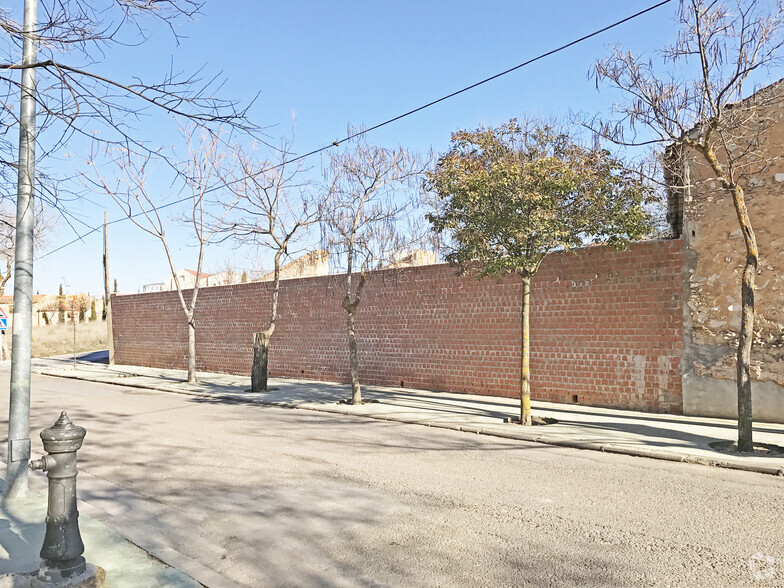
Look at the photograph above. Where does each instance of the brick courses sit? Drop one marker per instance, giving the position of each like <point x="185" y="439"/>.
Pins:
<point x="606" y="329"/>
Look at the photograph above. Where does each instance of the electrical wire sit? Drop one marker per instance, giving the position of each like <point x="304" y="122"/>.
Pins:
<point x="484" y="81"/>
<point x="359" y="133"/>
<point x="99" y="227"/>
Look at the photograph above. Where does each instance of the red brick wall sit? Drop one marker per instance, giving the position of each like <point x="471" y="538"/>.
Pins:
<point x="606" y="326"/>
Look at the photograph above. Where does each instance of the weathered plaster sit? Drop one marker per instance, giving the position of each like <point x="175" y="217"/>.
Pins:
<point x="715" y="257"/>
<point x="709" y="396"/>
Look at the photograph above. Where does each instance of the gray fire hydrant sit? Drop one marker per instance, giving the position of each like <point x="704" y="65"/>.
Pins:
<point x="62" y="562"/>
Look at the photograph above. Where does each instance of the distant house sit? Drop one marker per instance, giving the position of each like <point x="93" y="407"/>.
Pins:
<point x="155" y="287"/>
<point x="225" y="278"/>
<point x="187" y="279"/>
<point x="315" y="263"/>
<point x="411" y="258"/>
<point x="41" y="304"/>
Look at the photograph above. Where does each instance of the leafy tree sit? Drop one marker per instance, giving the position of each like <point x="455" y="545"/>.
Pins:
<point x="508" y="196"/>
<point x="93" y="314"/>
<point x="115" y="285"/>
<point x="103" y="312"/>
<point x="244" y="277"/>
<point x="702" y="110"/>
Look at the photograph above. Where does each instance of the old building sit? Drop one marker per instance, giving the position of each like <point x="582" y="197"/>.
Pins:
<point x="703" y="213"/>
<point x="314" y="263"/>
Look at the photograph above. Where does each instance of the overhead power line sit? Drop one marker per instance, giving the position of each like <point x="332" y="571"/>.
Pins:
<point x="98" y="228"/>
<point x="361" y="132"/>
<point x="484" y="81"/>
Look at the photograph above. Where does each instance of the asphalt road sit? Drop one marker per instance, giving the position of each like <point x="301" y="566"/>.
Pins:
<point x="272" y="497"/>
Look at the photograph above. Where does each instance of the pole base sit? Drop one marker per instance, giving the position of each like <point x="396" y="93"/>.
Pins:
<point x="91" y="577"/>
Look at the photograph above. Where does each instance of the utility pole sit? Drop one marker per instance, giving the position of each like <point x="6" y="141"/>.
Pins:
<point x="19" y="406"/>
<point x="108" y="295"/>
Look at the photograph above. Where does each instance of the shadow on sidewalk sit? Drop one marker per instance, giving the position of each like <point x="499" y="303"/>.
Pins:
<point x="22" y="529"/>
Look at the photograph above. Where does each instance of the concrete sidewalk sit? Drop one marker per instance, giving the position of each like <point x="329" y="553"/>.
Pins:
<point x="22" y="527"/>
<point x="658" y="436"/>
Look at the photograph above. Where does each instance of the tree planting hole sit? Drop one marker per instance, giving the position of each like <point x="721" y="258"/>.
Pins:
<point x="535" y="420"/>
<point x="760" y="449"/>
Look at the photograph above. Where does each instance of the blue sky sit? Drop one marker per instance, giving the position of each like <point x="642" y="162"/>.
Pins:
<point x="326" y="64"/>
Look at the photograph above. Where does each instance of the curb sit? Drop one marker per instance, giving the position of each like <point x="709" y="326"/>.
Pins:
<point x="169" y="556"/>
<point x="519" y="436"/>
<point x="583" y="445"/>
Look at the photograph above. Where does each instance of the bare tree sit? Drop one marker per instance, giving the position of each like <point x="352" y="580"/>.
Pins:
<point x="62" y="50"/>
<point x="363" y="220"/>
<point x="42" y="226"/>
<point x="72" y="99"/>
<point x="200" y="175"/>
<point x="708" y="114"/>
<point x="274" y="209"/>
<point x="224" y="273"/>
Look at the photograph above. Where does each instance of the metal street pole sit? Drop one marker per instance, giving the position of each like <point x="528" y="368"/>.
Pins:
<point x="19" y="406"/>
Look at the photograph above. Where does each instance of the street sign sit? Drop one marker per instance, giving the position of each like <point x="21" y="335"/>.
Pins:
<point x="3" y="320"/>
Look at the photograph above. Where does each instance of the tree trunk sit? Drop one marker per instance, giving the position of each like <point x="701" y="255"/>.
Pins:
<point x="746" y="334"/>
<point x="258" y="374"/>
<point x="191" y="350"/>
<point x="525" y="348"/>
<point x="7" y="277"/>
<point x="353" y="360"/>
<point x="261" y="339"/>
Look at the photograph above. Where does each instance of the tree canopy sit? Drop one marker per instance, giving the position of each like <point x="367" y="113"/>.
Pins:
<point x="508" y="196"/>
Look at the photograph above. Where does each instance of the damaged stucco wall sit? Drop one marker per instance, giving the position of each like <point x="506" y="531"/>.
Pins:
<point x="715" y="253"/>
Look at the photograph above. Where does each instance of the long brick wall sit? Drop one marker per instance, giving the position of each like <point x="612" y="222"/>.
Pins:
<point x="606" y="329"/>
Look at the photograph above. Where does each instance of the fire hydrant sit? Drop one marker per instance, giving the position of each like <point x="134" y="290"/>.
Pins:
<point x="62" y="550"/>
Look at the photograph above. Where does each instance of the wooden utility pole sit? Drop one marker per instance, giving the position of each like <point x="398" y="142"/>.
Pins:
<point x="107" y="294"/>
